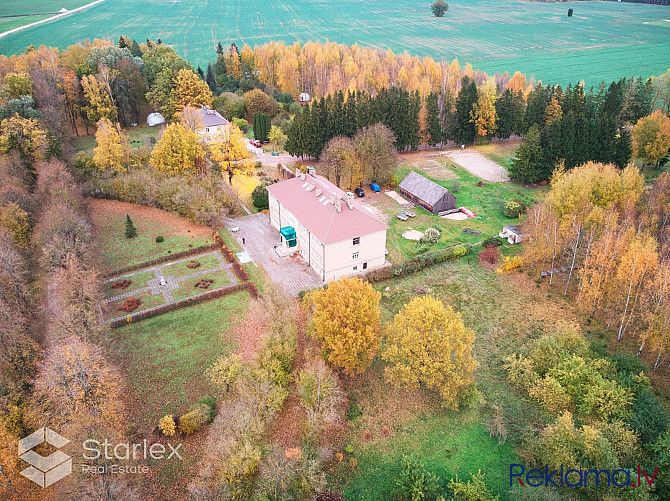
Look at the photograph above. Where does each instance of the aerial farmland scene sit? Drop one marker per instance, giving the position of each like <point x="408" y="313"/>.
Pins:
<point x="334" y="251"/>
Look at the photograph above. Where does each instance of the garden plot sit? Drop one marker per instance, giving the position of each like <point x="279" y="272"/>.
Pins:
<point x="165" y="284"/>
<point x="479" y="165"/>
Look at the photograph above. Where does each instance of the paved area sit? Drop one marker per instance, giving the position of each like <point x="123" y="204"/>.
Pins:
<point x="291" y="274"/>
<point x="171" y="282"/>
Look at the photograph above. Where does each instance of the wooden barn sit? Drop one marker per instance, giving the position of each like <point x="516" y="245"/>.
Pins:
<point x="427" y="194"/>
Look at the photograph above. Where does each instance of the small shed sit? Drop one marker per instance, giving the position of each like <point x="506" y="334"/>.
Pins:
<point x="288" y="236"/>
<point x="155" y="119"/>
<point x="427" y="194"/>
<point x="512" y="233"/>
<point x="303" y="97"/>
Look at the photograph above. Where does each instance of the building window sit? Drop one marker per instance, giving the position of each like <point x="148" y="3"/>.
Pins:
<point x="357" y="240"/>
<point x="207" y="129"/>
<point x="355" y="268"/>
<point x="365" y="266"/>
<point x="355" y="255"/>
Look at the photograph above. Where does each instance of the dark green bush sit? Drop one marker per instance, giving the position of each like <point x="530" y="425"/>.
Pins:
<point x="209" y="402"/>
<point x="159" y="239"/>
<point x="650" y="419"/>
<point x="492" y="242"/>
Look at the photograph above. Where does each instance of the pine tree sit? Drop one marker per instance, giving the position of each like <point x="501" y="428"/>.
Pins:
<point x="434" y="126"/>
<point x="623" y="149"/>
<point x="467" y="97"/>
<point x="131" y="231"/>
<point x="210" y="78"/>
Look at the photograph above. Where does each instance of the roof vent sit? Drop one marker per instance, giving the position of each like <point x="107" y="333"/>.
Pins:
<point x="302" y="176"/>
<point x="311" y="187"/>
<point x="350" y="203"/>
<point x="332" y="199"/>
<point x="297" y="172"/>
<point x="338" y="205"/>
<point x="318" y="192"/>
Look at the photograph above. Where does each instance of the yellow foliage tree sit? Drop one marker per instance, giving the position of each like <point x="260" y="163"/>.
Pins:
<point x="483" y="113"/>
<point x="166" y="425"/>
<point x="178" y="151"/>
<point x="16" y="221"/>
<point x="16" y="85"/>
<point x="553" y="111"/>
<point x="347" y="323"/>
<point x="230" y="152"/>
<point x="100" y="104"/>
<point x="24" y="135"/>
<point x="190" y="90"/>
<point x="111" y="153"/>
<point x="429" y="346"/>
<point x="651" y="138"/>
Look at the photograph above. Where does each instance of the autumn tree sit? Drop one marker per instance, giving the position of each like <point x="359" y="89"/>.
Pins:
<point x="320" y="395"/>
<point x="178" y="151"/>
<point x="651" y="138"/>
<point x="346" y="323"/>
<point x="276" y="137"/>
<point x="190" y="90"/>
<point x="15" y="85"/>
<point x="190" y="117"/>
<point x="375" y="151"/>
<point x="23" y="135"/>
<point x="230" y="152"/>
<point x="99" y="99"/>
<point x="16" y="222"/>
<point x="428" y="346"/>
<point x="257" y="101"/>
<point x="111" y="153"/>
<point x="483" y="113"/>
<point x="341" y="164"/>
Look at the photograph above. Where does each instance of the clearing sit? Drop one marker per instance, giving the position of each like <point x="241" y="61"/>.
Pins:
<point x="603" y="40"/>
<point x="479" y="165"/>
<point x="109" y="218"/>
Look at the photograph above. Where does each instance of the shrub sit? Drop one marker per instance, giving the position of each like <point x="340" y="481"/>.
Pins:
<point x="489" y="255"/>
<point x="431" y="235"/>
<point x="650" y="419"/>
<point x="131" y="231"/>
<point x="492" y="242"/>
<point x="439" y="8"/>
<point x="210" y="402"/>
<point x="472" y="490"/>
<point x="195" y="419"/>
<point x="159" y="239"/>
<point x="455" y="186"/>
<point x="514" y="208"/>
<point x="509" y="264"/>
<point x="416" y="483"/>
<point x="167" y="426"/>
<point x="460" y="250"/>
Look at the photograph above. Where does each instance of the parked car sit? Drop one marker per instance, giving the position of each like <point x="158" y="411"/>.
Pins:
<point x="349" y="194"/>
<point x="255" y="142"/>
<point x="374" y="187"/>
<point x="359" y="192"/>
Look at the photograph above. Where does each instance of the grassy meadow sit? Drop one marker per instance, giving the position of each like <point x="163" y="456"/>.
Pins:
<point x="603" y="40"/>
<point x="30" y="11"/>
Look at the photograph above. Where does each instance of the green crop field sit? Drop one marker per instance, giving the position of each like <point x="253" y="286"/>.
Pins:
<point x="603" y="40"/>
<point x="29" y="11"/>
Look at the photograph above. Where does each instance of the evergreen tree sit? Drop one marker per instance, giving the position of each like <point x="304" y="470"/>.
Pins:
<point x="122" y="43"/>
<point x="509" y="110"/>
<point x="131" y="231"/>
<point x="623" y="149"/>
<point x="210" y="78"/>
<point x="200" y="73"/>
<point x="527" y="166"/>
<point x="219" y="49"/>
<point x="448" y="117"/>
<point x="350" y="115"/>
<point x="135" y="49"/>
<point x="536" y="106"/>
<point x="261" y="126"/>
<point x="434" y="126"/>
<point x="465" y="129"/>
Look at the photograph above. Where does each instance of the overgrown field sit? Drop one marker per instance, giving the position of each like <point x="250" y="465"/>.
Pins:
<point x="603" y="40"/>
<point x="504" y="311"/>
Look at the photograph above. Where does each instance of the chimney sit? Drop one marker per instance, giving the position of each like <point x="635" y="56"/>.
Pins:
<point x="350" y="203"/>
<point x="332" y="199"/>
<point x="302" y="176"/>
<point x="297" y="172"/>
<point x="318" y="192"/>
<point x="338" y="205"/>
<point x="311" y="187"/>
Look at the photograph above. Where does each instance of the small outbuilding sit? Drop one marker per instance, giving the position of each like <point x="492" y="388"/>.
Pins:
<point x="426" y="193"/>
<point x="155" y="119"/>
<point x="512" y="233"/>
<point x="303" y="97"/>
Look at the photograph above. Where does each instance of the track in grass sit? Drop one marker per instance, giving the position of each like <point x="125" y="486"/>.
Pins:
<point x="603" y="40"/>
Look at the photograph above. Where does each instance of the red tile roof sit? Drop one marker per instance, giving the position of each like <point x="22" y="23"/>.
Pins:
<point x="318" y="215"/>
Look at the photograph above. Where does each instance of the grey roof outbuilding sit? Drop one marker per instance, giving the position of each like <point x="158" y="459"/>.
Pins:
<point x="426" y="193"/>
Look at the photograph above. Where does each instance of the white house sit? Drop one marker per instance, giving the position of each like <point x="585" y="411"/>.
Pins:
<point x="213" y="124"/>
<point x="512" y="233"/>
<point x="335" y="235"/>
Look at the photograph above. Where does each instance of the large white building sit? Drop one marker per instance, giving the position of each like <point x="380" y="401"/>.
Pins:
<point x="335" y="235"/>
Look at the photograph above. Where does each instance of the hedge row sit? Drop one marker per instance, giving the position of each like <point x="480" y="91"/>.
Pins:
<point x="206" y="296"/>
<point x="418" y="263"/>
<point x="239" y="272"/>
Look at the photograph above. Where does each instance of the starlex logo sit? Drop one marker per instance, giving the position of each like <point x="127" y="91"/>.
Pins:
<point x="44" y="471"/>
<point x="576" y="478"/>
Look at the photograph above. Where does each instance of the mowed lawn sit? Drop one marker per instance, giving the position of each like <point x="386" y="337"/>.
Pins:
<point x="603" y="40"/>
<point x="109" y="217"/>
<point x="503" y="310"/>
<point x="165" y="356"/>
<point x="487" y="201"/>
<point x="29" y="11"/>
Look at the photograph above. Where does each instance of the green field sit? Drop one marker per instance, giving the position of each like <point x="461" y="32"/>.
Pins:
<point x="32" y="10"/>
<point x="603" y="40"/>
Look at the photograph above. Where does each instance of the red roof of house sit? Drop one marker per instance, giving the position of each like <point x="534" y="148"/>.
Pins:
<point x="319" y="215"/>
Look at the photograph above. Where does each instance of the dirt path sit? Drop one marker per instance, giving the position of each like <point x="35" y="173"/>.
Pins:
<point x="479" y="165"/>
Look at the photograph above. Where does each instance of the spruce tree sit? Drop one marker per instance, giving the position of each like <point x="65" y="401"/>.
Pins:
<point x="434" y="126"/>
<point x="467" y="97"/>
<point x="527" y="166"/>
<point x="623" y="149"/>
<point x="131" y="231"/>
